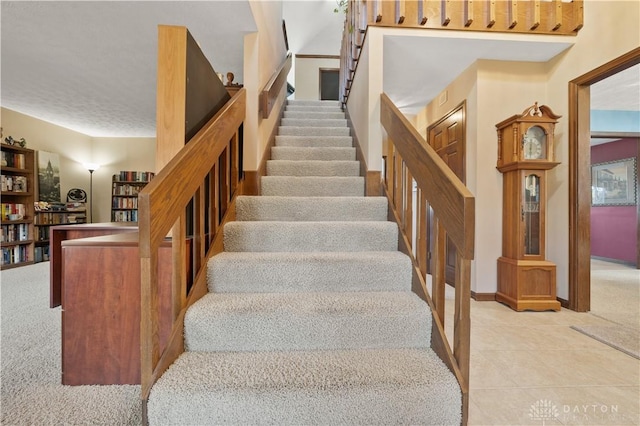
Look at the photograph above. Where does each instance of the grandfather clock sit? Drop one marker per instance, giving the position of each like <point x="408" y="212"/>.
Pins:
<point x="526" y="280"/>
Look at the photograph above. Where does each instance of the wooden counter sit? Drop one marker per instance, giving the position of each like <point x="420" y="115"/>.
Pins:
<point x="60" y="233"/>
<point x="101" y="308"/>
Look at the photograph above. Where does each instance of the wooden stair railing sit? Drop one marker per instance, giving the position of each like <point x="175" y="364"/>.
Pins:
<point x="409" y="159"/>
<point x="204" y="173"/>
<point x="271" y="90"/>
<point x="555" y="17"/>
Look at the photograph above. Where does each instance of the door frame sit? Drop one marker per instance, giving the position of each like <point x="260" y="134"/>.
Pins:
<point x="580" y="178"/>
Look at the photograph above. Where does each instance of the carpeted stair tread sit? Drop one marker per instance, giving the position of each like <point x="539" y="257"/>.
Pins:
<point x="314" y="114"/>
<point x="315" y="141"/>
<point x="366" y="387"/>
<point x="313" y="108"/>
<point x="310" y="236"/>
<point x="282" y="272"/>
<point x="307" y="321"/>
<point x="314" y="122"/>
<point x="313" y="131"/>
<point x="251" y="208"/>
<point x="313" y="168"/>
<point x="312" y="102"/>
<point x="313" y="153"/>
<point x="312" y="186"/>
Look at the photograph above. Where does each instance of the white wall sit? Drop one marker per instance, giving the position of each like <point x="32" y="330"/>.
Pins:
<point x="307" y="76"/>
<point x="264" y="52"/>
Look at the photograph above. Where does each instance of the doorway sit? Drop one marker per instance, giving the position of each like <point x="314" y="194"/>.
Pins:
<point x="580" y="178"/>
<point x="329" y="84"/>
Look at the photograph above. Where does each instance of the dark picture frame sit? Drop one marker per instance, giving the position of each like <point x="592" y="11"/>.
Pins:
<point x="614" y="183"/>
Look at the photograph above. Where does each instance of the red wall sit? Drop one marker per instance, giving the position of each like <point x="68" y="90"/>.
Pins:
<point x="614" y="229"/>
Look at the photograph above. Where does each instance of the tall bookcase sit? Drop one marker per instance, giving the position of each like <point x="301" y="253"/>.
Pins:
<point x="47" y="215"/>
<point x="18" y="189"/>
<point x="125" y="188"/>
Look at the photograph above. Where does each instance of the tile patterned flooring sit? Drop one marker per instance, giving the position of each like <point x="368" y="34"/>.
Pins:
<point x="531" y="368"/>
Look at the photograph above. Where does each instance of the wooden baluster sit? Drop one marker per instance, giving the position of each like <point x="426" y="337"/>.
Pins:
<point x="408" y="209"/>
<point x="377" y="10"/>
<point x="468" y="13"/>
<point x="513" y="14"/>
<point x="422" y="233"/>
<point x="536" y="15"/>
<point x="577" y="12"/>
<point x="557" y="7"/>
<point x="397" y="184"/>
<point x="400" y="11"/>
<point x="492" y="13"/>
<point x="438" y="261"/>
<point x="422" y="12"/>
<point x="444" y="12"/>
<point x="461" y="319"/>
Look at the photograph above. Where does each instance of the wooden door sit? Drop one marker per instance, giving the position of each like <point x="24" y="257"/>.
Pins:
<point x="447" y="137"/>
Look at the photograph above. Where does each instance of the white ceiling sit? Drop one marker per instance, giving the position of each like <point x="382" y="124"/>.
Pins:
<point x="90" y="66"/>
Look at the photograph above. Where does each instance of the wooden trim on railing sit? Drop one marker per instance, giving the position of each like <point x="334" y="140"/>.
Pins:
<point x="272" y="89"/>
<point x="162" y="205"/>
<point x="451" y="200"/>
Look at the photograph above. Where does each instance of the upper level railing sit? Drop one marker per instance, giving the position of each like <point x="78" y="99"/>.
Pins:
<point x="557" y="17"/>
<point x="409" y="163"/>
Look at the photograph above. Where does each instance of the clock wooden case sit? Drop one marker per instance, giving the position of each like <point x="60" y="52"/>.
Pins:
<point x="526" y="280"/>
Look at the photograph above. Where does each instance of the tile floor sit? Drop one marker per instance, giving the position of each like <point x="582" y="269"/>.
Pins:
<point x="531" y="368"/>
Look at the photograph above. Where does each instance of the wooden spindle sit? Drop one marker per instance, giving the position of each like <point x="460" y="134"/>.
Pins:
<point x="444" y="13"/>
<point x="513" y="14"/>
<point x="492" y="14"/>
<point x="438" y="262"/>
<point x="536" y="15"/>
<point x="468" y="13"/>
<point x="400" y="11"/>
<point x="557" y="7"/>
<point x="422" y="12"/>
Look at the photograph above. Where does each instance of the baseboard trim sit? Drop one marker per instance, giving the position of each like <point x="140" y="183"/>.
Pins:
<point x="483" y="297"/>
<point x="563" y="302"/>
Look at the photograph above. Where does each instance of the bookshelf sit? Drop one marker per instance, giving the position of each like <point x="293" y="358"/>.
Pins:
<point x="16" y="212"/>
<point x="125" y="188"/>
<point x="47" y="215"/>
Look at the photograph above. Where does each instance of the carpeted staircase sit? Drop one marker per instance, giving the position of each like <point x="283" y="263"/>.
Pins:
<point x="310" y="318"/>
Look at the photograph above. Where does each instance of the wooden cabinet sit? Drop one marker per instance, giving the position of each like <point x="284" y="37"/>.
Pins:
<point x="72" y="213"/>
<point x="101" y="309"/>
<point x="18" y="189"/>
<point x="125" y="188"/>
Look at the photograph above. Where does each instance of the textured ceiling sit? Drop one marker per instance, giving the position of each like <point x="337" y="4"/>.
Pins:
<point x="90" y="66"/>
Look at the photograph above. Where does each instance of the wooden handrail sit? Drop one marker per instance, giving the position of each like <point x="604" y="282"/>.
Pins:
<point x="409" y="159"/>
<point x="450" y="199"/>
<point x="271" y="90"/>
<point x="202" y="171"/>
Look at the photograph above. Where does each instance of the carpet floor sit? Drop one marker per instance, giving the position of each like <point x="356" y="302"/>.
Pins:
<point x="615" y="297"/>
<point x="30" y="363"/>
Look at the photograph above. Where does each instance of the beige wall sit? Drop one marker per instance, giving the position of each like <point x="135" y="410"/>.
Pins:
<point x="264" y="52"/>
<point x="495" y="90"/>
<point x="74" y="149"/>
<point x="307" y="76"/>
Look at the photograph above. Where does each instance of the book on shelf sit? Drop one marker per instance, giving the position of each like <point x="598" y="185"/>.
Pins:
<point x="133" y="176"/>
<point x="13" y="159"/>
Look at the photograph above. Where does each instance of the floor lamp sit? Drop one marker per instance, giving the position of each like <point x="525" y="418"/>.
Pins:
<point x="92" y="167"/>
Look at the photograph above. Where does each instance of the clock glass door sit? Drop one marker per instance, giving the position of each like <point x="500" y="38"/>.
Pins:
<point x="531" y="214"/>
